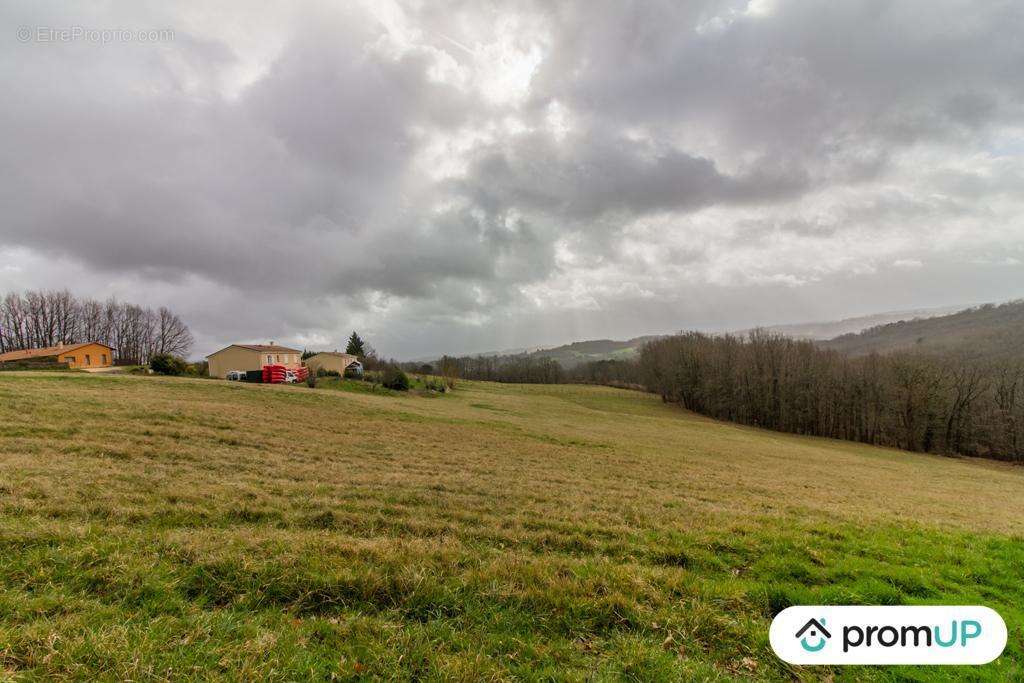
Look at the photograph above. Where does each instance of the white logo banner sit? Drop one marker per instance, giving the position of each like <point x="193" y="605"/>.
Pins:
<point x="825" y="634"/>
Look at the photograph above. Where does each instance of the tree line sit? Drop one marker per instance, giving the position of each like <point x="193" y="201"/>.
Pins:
<point x="518" y="369"/>
<point x="532" y="369"/>
<point x="40" y="319"/>
<point x="939" y="403"/>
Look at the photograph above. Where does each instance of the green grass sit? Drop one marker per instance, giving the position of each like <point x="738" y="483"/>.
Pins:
<point x="155" y="528"/>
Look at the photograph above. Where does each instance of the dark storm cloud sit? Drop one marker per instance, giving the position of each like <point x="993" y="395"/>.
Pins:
<point x="237" y="191"/>
<point x="439" y="172"/>
<point x="583" y="178"/>
<point x="418" y="262"/>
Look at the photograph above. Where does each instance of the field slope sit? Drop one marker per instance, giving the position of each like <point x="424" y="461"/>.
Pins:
<point x="169" y="528"/>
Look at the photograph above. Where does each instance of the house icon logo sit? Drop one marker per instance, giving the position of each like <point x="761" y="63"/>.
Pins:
<point x="815" y="632"/>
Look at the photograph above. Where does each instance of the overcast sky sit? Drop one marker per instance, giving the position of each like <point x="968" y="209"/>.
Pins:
<point x="461" y="177"/>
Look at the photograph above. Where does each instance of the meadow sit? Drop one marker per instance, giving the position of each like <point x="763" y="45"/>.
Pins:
<point x="165" y="528"/>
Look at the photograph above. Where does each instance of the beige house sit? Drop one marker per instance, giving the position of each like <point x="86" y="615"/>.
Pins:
<point x="252" y="357"/>
<point x="332" y="360"/>
<point x="85" y="355"/>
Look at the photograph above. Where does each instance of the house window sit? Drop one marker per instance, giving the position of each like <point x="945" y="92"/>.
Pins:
<point x="279" y="358"/>
<point x="104" y="357"/>
<point x="88" y="359"/>
<point x="69" y="359"/>
<point x="270" y="360"/>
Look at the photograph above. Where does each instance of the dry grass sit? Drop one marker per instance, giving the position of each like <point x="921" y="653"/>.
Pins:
<point x="166" y="528"/>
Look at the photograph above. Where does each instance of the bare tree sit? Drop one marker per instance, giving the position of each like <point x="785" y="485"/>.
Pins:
<point x="38" y="319"/>
<point x="172" y="335"/>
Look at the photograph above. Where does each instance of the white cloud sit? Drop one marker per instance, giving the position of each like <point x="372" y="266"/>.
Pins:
<point x="908" y="263"/>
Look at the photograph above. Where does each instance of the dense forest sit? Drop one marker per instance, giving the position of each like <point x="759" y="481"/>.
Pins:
<point x="940" y="403"/>
<point x="526" y="368"/>
<point x="39" y="319"/>
<point x="518" y="368"/>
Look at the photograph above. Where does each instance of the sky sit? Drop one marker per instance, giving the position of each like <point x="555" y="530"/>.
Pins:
<point x="468" y="176"/>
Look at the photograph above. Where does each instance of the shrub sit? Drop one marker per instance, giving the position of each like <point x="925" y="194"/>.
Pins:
<point x="432" y="384"/>
<point x="394" y="378"/>
<point x="200" y="369"/>
<point x="33" y="365"/>
<point x="449" y="368"/>
<point x="166" y="364"/>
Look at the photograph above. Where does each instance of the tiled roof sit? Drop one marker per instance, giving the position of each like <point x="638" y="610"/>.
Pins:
<point x="259" y="348"/>
<point x="268" y="347"/>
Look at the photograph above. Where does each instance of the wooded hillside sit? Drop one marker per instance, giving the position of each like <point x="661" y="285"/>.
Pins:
<point x="940" y="403"/>
<point x="990" y="331"/>
<point x="571" y="355"/>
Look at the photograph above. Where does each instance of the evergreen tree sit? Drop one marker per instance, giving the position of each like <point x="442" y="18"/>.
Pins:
<point x="356" y="346"/>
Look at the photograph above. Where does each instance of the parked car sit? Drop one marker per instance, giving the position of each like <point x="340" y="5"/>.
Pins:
<point x="236" y="375"/>
<point x="290" y="378"/>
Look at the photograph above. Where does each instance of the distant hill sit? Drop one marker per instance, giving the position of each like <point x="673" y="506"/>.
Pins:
<point x="573" y="354"/>
<point x="992" y="331"/>
<point x="568" y="355"/>
<point x="830" y="329"/>
<point x="833" y="333"/>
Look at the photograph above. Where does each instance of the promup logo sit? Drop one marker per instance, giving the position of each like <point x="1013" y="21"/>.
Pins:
<point x="817" y="631"/>
<point x="888" y="635"/>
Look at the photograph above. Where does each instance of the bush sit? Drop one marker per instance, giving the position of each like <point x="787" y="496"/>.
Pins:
<point x="394" y="378"/>
<point x="166" y="364"/>
<point x="33" y="365"/>
<point x="433" y="384"/>
<point x="200" y="369"/>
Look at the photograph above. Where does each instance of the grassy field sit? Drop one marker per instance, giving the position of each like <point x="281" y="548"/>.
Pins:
<point x="157" y="528"/>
